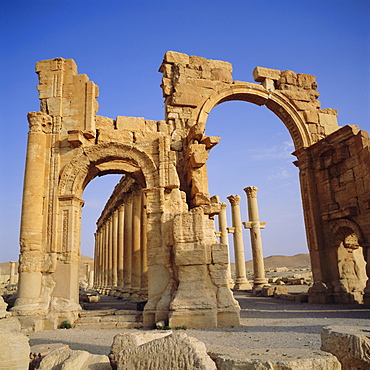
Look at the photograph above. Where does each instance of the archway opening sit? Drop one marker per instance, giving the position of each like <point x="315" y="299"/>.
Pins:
<point x="255" y="150"/>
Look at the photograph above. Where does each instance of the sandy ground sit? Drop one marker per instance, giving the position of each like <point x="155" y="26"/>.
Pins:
<point x="265" y="323"/>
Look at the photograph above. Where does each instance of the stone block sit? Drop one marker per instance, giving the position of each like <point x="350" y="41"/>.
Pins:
<point x="175" y="57"/>
<point x="175" y="351"/>
<point x="15" y="350"/>
<point x="130" y="123"/>
<point x="109" y="136"/>
<point x="220" y="253"/>
<point x="261" y="73"/>
<point x="351" y="345"/>
<point x="10" y="323"/>
<point x="191" y="254"/>
<point x="68" y="359"/>
<point x="219" y="74"/>
<point x="273" y="359"/>
<point x="104" y="122"/>
<point x="128" y="340"/>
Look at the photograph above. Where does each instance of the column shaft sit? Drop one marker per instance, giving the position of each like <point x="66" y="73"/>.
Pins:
<point x="136" y="238"/>
<point x="128" y="244"/>
<point x="120" y="246"/>
<point x="241" y="281"/>
<point x="256" y="239"/>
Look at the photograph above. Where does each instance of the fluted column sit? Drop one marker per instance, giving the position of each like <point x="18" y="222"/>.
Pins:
<point x="136" y="240"/>
<point x="259" y="279"/>
<point x="120" y="244"/>
<point x="128" y="246"/>
<point x="241" y="282"/>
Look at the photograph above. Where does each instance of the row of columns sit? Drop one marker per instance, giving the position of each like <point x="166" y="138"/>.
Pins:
<point x="254" y="225"/>
<point x="120" y="262"/>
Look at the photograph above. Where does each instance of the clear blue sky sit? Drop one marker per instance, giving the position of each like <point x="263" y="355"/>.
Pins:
<point x="120" y="46"/>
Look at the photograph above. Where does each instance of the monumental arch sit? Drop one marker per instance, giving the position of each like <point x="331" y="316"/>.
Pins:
<point x="184" y="271"/>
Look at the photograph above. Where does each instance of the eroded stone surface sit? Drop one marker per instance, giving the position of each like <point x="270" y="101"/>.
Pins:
<point x="68" y="359"/>
<point x="351" y="345"/>
<point x="273" y="359"/>
<point x="14" y="350"/>
<point x="175" y="351"/>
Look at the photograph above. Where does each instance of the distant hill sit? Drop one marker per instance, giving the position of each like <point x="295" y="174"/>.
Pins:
<point x="290" y="262"/>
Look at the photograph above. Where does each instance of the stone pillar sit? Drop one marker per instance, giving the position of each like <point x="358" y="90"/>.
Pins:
<point x="13" y="275"/>
<point x="87" y="270"/>
<point x="90" y="279"/>
<point x="120" y="245"/>
<point x="96" y="253"/>
<point x="128" y="246"/>
<point x="254" y="225"/>
<point x="32" y="218"/>
<point x="114" y="251"/>
<point x="106" y="255"/>
<point x="110" y="253"/>
<point x="222" y="227"/>
<point x="136" y="243"/>
<point x="144" y="257"/>
<point x="241" y="282"/>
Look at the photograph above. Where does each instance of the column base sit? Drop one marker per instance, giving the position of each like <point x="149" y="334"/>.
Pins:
<point x="242" y="284"/>
<point x="259" y="282"/>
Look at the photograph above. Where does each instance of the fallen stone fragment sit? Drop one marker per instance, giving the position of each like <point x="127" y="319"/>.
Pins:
<point x="350" y="344"/>
<point x="126" y="340"/>
<point x="68" y="359"/>
<point x="273" y="359"/>
<point x="14" y="350"/>
<point x="176" y="351"/>
<point x="39" y="351"/>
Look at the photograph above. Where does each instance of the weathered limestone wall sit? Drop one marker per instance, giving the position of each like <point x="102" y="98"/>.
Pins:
<point x="341" y="164"/>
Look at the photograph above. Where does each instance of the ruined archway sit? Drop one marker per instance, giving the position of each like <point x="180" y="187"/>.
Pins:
<point x="69" y="145"/>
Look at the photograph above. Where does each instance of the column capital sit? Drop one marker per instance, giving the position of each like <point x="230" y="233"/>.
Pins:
<point x="223" y="205"/>
<point x="234" y="200"/>
<point x="251" y="191"/>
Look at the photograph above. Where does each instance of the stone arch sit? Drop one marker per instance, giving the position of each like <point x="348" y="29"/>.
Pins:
<point x="256" y="94"/>
<point x="103" y="159"/>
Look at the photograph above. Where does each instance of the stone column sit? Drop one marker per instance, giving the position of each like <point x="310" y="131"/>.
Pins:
<point x="256" y="240"/>
<point x="241" y="282"/>
<point x="224" y="239"/>
<point x="90" y="280"/>
<point x="114" y="251"/>
<point x="110" y="254"/>
<point x="106" y="256"/>
<point x="144" y="258"/>
<point x="100" y="261"/>
<point x="32" y="218"/>
<point x="87" y="270"/>
<point x="128" y="246"/>
<point x="136" y="243"/>
<point x="120" y="245"/>
<point x="13" y="275"/>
